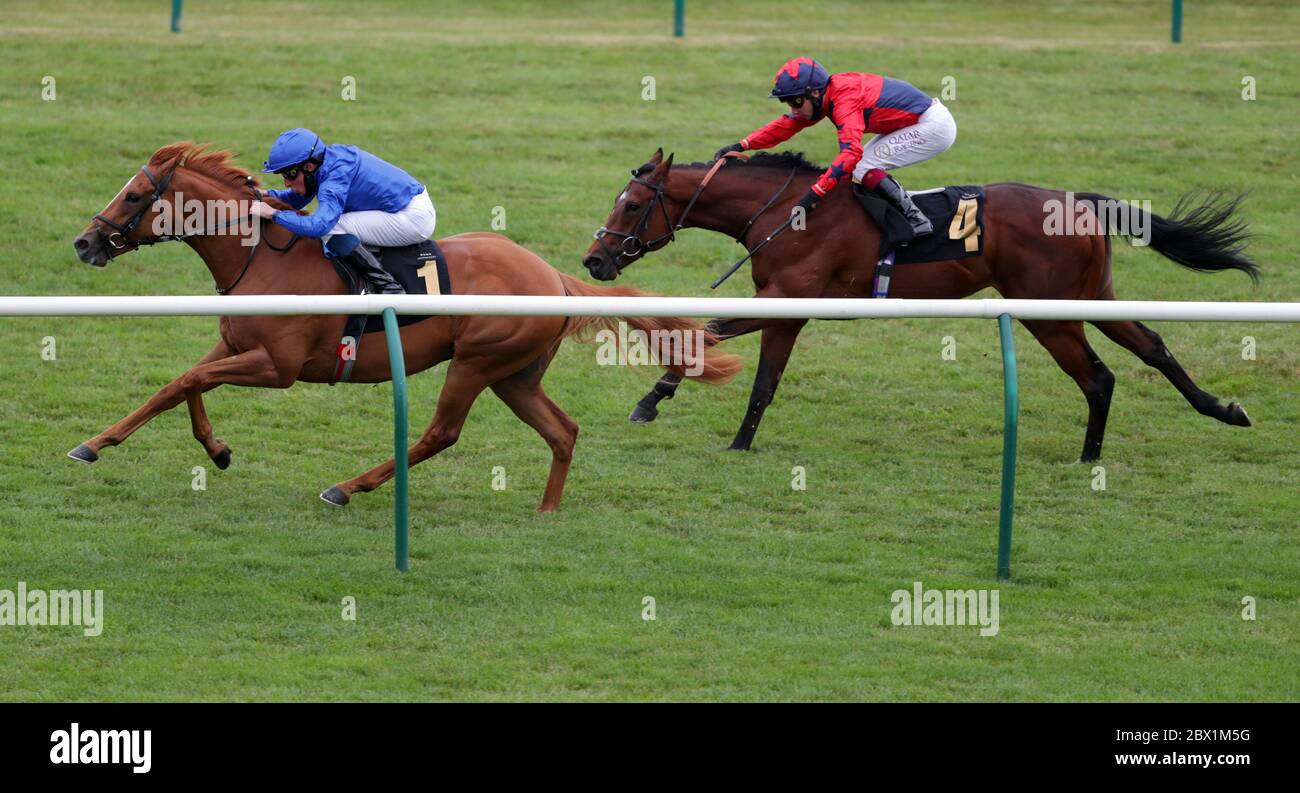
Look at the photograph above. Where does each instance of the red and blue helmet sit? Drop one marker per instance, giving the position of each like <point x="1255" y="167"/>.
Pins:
<point x="293" y="147"/>
<point x="799" y="76"/>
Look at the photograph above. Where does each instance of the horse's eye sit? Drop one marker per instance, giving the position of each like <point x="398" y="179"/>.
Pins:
<point x="630" y="208"/>
<point x="132" y="197"/>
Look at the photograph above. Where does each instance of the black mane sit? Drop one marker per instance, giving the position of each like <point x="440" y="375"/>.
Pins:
<point x="783" y="161"/>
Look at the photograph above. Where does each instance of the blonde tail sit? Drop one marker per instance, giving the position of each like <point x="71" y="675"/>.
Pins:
<point x="718" y="367"/>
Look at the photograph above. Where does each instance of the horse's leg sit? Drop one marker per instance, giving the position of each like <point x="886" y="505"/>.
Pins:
<point x="466" y="379"/>
<point x="1069" y="346"/>
<point x="252" y="368"/>
<point x="1147" y="345"/>
<point x="533" y="407"/>
<point x="217" y="450"/>
<point x="778" y="340"/>
<point x="646" y="410"/>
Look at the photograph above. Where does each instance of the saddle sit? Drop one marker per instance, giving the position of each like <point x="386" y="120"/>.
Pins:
<point x="957" y="214"/>
<point x="421" y="269"/>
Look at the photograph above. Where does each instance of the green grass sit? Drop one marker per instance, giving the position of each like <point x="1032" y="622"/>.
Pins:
<point x="763" y="593"/>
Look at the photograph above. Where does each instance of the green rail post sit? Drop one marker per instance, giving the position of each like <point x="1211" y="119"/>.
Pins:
<point x="176" y="16"/>
<point x="401" y="506"/>
<point x="1177" y="34"/>
<point x="1011" y="420"/>
<point x="679" y="18"/>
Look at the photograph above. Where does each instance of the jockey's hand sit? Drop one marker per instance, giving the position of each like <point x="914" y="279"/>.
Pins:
<point x="808" y="203"/>
<point x="720" y="153"/>
<point x="262" y="210"/>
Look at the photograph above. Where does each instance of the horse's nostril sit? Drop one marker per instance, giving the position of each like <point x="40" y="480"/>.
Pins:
<point x="591" y="262"/>
<point x="82" y="243"/>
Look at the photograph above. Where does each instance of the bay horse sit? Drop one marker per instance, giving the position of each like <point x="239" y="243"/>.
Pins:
<point x="507" y="354"/>
<point x="835" y="256"/>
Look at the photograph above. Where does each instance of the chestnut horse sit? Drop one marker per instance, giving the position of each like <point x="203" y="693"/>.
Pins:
<point x="835" y="256"/>
<point x="507" y="354"/>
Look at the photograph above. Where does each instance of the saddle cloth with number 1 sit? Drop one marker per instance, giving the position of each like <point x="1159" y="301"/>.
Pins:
<point x="421" y="269"/>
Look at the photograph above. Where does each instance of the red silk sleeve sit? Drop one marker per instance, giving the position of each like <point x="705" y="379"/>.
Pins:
<point x="851" y="127"/>
<point x="778" y="131"/>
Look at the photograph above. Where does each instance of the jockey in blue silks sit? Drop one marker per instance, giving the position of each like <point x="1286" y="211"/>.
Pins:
<point x="361" y="200"/>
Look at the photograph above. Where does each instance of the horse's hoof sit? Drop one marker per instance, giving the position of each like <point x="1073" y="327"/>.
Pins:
<point x="1237" y="415"/>
<point x="83" y="454"/>
<point x="642" y="414"/>
<point x="335" y="497"/>
<point x="222" y="458"/>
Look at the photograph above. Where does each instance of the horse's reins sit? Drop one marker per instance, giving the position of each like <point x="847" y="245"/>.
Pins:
<point x="769" y="237"/>
<point x="639" y="246"/>
<point x="122" y="231"/>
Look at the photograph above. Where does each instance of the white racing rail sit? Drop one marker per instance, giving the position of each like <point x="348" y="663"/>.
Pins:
<point x="740" y="307"/>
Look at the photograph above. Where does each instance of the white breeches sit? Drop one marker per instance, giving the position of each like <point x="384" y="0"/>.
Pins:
<point x="932" y="134"/>
<point x="413" y="223"/>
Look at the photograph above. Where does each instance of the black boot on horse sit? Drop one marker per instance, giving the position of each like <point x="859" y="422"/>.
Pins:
<point x="888" y="188"/>
<point x="348" y="250"/>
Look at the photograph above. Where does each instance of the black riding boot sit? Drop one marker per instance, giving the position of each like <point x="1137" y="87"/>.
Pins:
<point x="349" y="250"/>
<point x="893" y="192"/>
<point x="378" y="279"/>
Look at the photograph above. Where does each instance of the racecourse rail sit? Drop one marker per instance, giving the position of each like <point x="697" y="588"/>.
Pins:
<point x="756" y="308"/>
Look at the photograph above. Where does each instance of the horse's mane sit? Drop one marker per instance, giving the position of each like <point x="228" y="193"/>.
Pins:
<point x="216" y="164"/>
<point x="783" y="161"/>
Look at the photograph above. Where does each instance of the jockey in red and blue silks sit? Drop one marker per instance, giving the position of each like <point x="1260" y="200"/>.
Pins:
<point x="360" y="200"/>
<point x="910" y="127"/>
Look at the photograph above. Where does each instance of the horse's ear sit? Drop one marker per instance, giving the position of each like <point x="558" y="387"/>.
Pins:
<point x="658" y="156"/>
<point x="667" y="164"/>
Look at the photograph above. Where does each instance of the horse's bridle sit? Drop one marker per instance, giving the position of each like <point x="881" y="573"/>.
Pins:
<point x="122" y="231"/>
<point x="634" y="237"/>
<point x="632" y="244"/>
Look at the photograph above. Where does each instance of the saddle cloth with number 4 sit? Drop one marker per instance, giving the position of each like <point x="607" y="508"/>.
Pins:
<point x="958" y="217"/>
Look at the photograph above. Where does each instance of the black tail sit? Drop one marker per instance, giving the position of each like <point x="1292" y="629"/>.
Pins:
<point x="1207" y="236"/>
